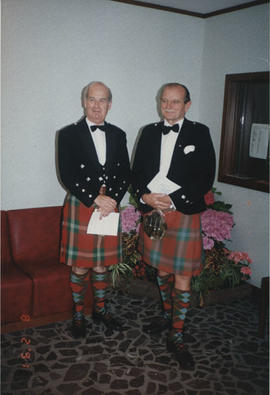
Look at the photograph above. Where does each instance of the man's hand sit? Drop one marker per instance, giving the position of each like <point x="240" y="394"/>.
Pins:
<point x="159" y="201"/>
<point x="106" y="205"/>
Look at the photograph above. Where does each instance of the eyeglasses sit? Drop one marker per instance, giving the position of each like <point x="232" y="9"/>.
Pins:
<point x="174" y="102"/>
<point x="93" y="100"/>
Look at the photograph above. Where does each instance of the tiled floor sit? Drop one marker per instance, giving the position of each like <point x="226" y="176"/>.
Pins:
<point x="230" y="358"/>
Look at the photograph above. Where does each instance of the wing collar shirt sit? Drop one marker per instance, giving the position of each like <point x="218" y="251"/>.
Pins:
<point x="166" y="151"/>
<point x="167" y="147"/>
<point x="99" y="139"/>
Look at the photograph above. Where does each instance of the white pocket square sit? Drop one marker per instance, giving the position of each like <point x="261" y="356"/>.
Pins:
<point x="188" y="149"/>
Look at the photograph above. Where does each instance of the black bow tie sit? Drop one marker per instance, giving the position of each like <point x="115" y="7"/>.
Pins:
<point x="95" y="127"/>
<point x="167" y="129"/>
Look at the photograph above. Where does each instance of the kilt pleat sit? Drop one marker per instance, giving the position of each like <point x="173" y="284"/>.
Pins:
<point x="180" y="250"/>
<point x="81" y="249"/>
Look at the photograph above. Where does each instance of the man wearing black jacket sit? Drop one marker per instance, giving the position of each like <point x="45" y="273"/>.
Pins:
<point x="174" y="167"/>
<point x="94" y="168"/>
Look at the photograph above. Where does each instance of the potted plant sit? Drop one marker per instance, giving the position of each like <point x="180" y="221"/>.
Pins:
<point x="223" y="269"/>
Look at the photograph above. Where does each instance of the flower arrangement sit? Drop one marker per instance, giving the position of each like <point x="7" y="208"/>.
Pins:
<point x="131" y="265"/>
<point x="222" y="268"/>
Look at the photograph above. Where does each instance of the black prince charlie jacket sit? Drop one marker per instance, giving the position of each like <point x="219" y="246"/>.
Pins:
<point x="192" y="166"/>
<point x="79" y="168"/>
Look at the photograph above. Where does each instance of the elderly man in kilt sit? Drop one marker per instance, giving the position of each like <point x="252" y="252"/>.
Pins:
<point x="174" y="167"/>
<point x="94" y="168"/>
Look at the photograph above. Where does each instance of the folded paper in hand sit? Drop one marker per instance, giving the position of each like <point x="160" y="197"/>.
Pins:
<point x="106" y="226"/>
<point x="161" y="184"/>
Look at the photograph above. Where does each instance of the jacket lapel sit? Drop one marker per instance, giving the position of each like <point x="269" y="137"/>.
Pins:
<point x="180" y="138"/>
<point x="110" y="144"/>
<point x="183" y="131"/>
<point x="179" y="145"/>
<point x="87" y="142"/>
<point x="155" y="145"/>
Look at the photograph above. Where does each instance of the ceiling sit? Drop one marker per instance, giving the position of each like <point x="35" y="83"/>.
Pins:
<point x="200" y="8"/>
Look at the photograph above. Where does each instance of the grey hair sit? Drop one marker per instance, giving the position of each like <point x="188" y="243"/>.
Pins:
<point x="85" y="90"/>
<point x="175" y="85"/>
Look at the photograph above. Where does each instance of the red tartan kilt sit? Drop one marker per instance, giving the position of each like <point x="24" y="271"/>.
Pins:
<point x="81" y="249"/>
<point x="180" y="250"/>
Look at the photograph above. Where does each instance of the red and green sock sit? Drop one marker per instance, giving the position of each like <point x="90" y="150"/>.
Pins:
<point x="78" y="284"/>
<point x="181" y="304"/>
<point x="165" y="284"/>
<point x="100" y="285"/>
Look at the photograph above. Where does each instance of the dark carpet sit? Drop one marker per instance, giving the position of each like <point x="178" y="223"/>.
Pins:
<point x="230" y="358"/>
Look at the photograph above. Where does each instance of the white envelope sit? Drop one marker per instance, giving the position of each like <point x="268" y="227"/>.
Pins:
<point x="106" y="226"/>
<point x="161" y="184"/>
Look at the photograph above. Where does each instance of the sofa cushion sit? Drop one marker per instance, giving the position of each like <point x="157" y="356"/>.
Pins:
<point x="51" y="287"/>
<point x="35" y="234"/>
<point x="52" y="292"/>
<point x="16" y="287"/>
<point x="16" y="295"/>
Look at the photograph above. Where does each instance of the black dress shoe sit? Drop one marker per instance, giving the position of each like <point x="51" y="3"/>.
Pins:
<point x="107" y="320"/>
<point x="157" y="325"/>
<point x="181" y="354"/>
<point x="78" y="329"/>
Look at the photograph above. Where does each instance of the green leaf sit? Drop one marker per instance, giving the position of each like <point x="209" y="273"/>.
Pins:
<point x="132" y="199"/>
<point x="221" y="206"/>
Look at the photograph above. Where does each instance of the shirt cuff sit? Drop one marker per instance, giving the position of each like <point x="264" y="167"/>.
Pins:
<point x="172" y="205"/>
<point x="142" y="201"/>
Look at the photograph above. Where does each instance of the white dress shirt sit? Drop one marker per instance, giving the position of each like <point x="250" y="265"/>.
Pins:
<point x="99" y="139"/>
<point x="166" y="151"/>
<point x="167" y="147"/>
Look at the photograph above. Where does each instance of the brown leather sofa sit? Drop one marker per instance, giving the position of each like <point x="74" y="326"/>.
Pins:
<point x="34" y="285"/>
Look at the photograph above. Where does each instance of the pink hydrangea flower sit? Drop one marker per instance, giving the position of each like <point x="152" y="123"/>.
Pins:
<point x="217" y="224"/>
<point x="130" y="219"/>
<point x="208" y="243"/>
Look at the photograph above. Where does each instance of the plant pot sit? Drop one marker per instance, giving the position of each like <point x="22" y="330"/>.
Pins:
<point x="144" y="288"/>
<point x="222" y="296"/>
<point x="139" y="288"/>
